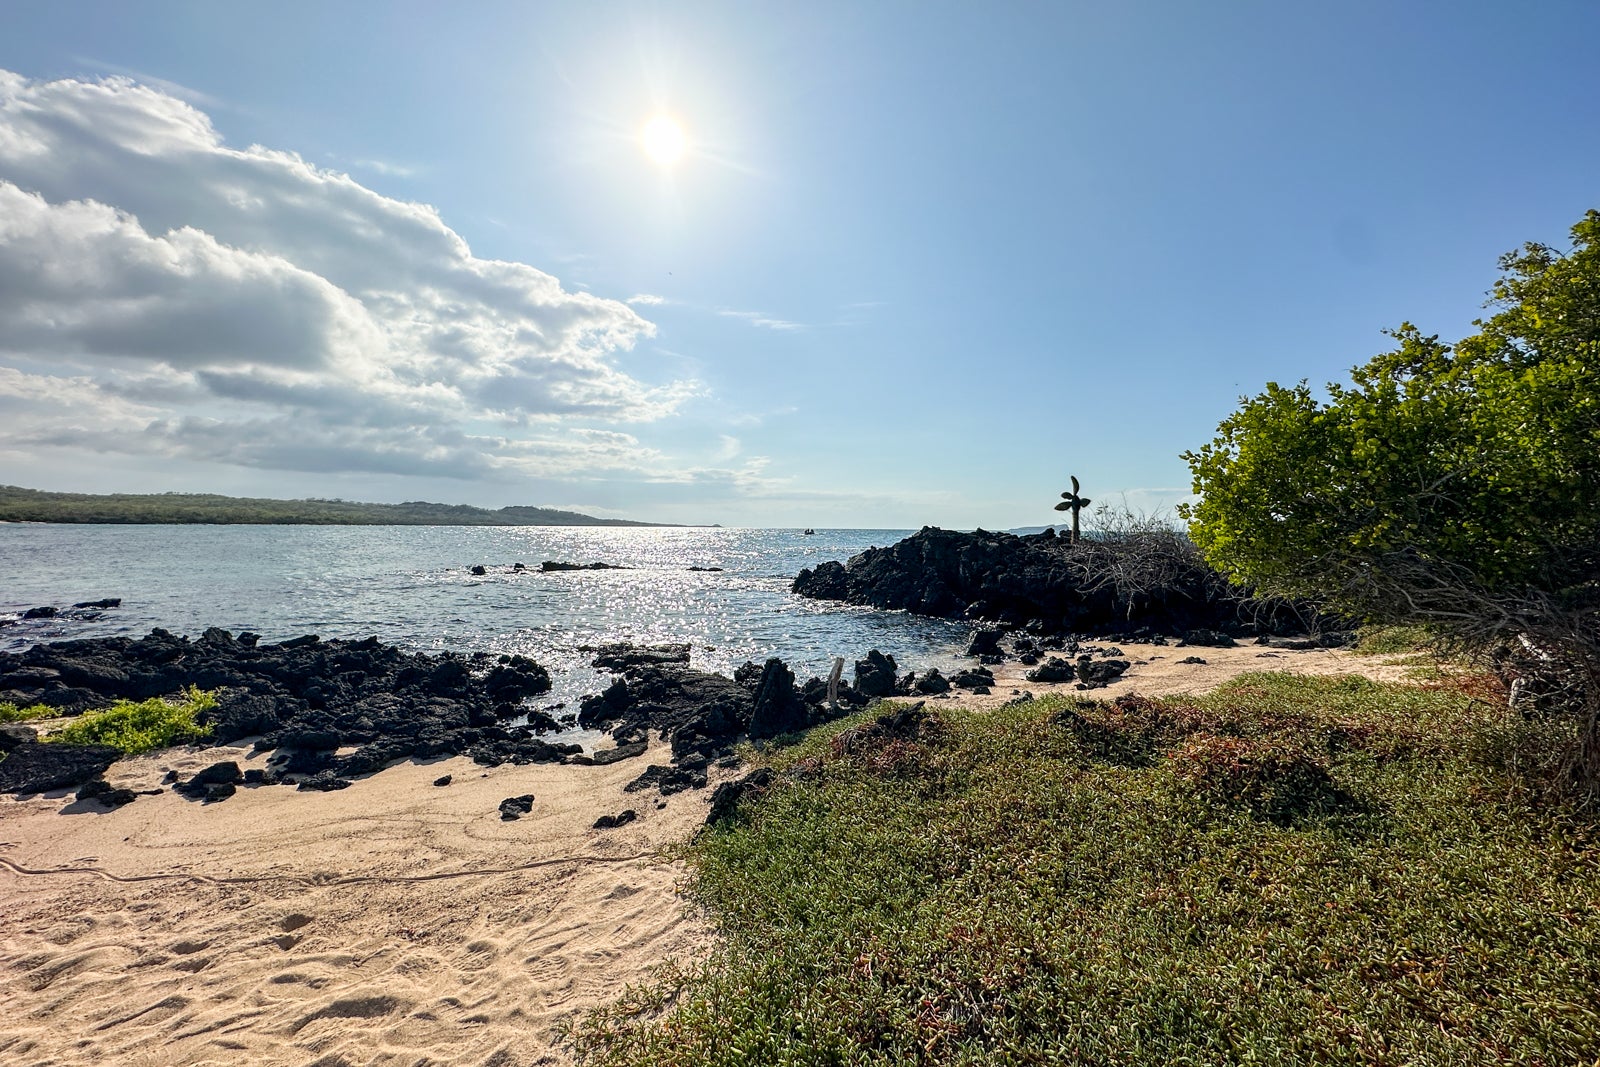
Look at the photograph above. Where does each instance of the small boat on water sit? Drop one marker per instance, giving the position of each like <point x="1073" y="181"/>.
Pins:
<point x="809" y="530"/>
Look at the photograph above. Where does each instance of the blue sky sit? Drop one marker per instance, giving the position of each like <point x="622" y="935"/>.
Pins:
<point x="919" y="263"/>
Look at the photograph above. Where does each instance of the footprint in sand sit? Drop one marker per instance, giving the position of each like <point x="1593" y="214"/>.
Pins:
<point x="310" y="981"/>
<point x="351" y="1008"/>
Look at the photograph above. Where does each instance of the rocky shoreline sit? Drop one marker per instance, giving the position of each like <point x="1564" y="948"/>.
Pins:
<point x="331" y="711"/>
<point x="1128" y="589"/>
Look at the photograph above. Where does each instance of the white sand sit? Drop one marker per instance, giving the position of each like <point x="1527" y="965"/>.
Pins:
<point x="1157" y="671"/>
<point x="393" y="922"/>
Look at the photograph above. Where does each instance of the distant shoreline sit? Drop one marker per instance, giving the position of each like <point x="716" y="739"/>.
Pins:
<point x="19" y="505"/>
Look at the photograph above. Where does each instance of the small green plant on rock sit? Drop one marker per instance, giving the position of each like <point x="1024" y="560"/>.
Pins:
<point x="10" y="712"/>
<point x="143" y="726"/>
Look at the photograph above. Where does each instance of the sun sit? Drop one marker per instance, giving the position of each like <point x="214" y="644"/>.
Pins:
<point x="663" y="140"/>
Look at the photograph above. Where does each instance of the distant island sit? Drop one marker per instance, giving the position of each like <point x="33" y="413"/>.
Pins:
<point x="34" y="505"/>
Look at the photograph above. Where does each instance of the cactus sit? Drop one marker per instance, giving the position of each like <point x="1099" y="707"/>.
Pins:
<point x="1074" y="503"/>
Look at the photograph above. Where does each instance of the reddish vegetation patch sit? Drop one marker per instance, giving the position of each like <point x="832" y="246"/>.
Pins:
<point x="1275" y="776"/>
<point x="1479" y="685"/>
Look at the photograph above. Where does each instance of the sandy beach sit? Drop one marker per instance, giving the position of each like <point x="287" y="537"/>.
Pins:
<point x="394" y="922"/>
<point x="1159" y="671"/>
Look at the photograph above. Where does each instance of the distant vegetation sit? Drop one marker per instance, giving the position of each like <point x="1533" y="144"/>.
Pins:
<point x="33" y="505"/>
<point x="1291" y="870"/>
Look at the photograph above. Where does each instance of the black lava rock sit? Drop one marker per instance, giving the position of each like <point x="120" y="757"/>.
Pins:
<point x="875" y="675"/>
<point x="606" y="756"/>
<point x="226" y="772"/>
<point x="515" y="807"/>
<point x="1043" y="582"/>
<point x="611" y="822"/>
<point x="37" y="768"/>
<point x="624" y="656"/>
<point x="1054" y="669"/>
<point x="13" y="734"/>
<point x="306" y="695"/>
<point x="669" y="780"/>
<point x="727" y="796"/>
<point x="1099" y="673"/>
<point x="984" y="642"/>
<point x="1208" y="639"/>
<point x="323" y="782"/>
<point x="102" y="790"/>
<point x="974" y="678"/>
<point x="777" y="708"/>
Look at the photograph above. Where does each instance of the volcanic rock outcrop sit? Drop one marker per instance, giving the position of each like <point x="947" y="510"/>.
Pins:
<point x="305" y="697"/>
<point x="702" y="714"/>
<point x="1046" y="584"/>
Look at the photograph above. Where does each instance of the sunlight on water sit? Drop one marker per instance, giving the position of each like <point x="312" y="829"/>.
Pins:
<point x="413" y="586"/>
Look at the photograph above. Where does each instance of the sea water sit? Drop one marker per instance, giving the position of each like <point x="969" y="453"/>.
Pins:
<point x="413" y="586"/>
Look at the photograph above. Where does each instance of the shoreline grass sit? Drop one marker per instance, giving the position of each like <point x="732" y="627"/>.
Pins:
<point x="1289" y="870"/>
<point x="10" y="712"/>
<point x="142" y="726"/>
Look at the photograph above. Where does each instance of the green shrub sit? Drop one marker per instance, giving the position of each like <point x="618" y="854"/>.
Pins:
<point x="1023" y="890"/>
<point x="142" y="726"/>
<point x="1395" y="640"/>
<point x="12" y="713"/>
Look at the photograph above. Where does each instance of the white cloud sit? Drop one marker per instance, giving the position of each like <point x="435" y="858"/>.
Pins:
<point x="171" y="88"/>
<point x="646" y="300"/>
<point x="387" y="169"/>
<point x="247" y="306"/>
<point x="765" y="322"/>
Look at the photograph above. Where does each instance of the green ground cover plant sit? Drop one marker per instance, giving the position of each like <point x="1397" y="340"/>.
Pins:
<point x="1395" y="640"/>
<point x="10" y="712"/>
<point x="1291" y="870"/>
<point x="142" y="726"/>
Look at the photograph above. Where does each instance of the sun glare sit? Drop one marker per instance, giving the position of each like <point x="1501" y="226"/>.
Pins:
<point x="663" y="140"/>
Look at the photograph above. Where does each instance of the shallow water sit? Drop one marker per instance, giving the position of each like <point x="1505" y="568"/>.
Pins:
<point x="411" y="586"/>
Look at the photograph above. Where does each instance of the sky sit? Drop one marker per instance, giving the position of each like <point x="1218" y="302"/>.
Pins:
<point x="917" y="263"/>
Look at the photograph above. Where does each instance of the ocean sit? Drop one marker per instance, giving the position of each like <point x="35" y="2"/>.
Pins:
<point x="412" y="586"/>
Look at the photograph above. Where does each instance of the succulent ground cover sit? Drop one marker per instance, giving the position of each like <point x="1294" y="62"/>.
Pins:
<point x="11" y="712"/>
<point x="141" y="726"/>
<point x="1290" y="870"/>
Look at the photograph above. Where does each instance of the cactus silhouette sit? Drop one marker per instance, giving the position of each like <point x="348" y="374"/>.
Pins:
<point x="1074" y="503"/>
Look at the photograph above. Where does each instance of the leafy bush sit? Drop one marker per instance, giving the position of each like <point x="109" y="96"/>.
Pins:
<point x="141" y="727"/>
<point x="12" y="713"/>
<point x="1478" y="457"/>
<point x="1451" y="486"/>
